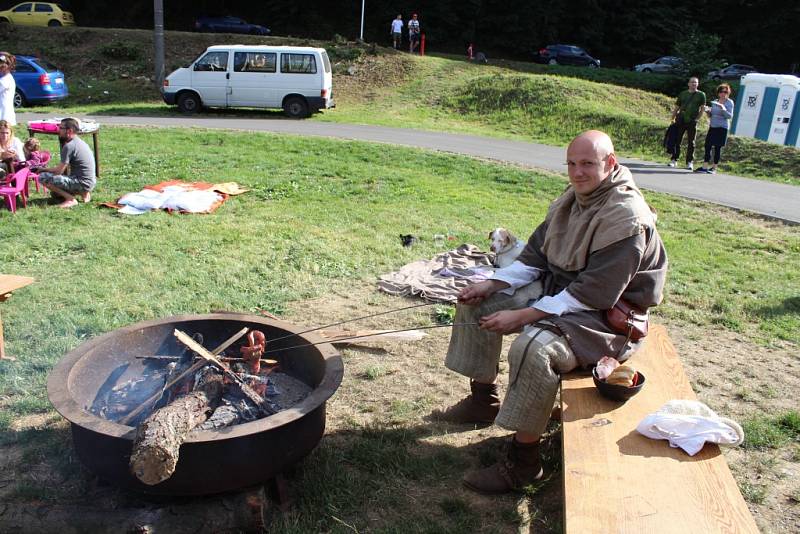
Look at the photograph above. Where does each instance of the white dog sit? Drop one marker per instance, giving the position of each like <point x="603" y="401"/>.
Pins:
<point x="505" y="246"/>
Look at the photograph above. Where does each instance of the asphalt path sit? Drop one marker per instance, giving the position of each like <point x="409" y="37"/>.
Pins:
<point x="773" y="200"/>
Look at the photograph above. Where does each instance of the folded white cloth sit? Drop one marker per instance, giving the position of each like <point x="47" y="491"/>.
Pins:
<point x="173" y="198"/>
<point x="689" y="425"/>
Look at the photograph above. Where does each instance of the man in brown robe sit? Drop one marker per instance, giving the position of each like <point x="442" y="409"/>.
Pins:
<point x="597" y="244"/>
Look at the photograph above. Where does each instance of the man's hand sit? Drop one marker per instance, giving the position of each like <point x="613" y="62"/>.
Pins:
<point x="477" y="293"/>
<point x="510" y="321"/>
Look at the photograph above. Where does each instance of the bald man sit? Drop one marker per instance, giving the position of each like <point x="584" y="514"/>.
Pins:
<point x="597" y="244"/>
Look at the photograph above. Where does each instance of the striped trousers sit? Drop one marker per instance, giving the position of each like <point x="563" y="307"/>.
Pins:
<point x="537" y="358"/>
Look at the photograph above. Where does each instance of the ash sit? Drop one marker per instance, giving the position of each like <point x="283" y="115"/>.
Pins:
<point x="282" y="392"/>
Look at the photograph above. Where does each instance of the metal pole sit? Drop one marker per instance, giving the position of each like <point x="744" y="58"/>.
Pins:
<point x="362" y="19"/>
<point x="158" y="44"/>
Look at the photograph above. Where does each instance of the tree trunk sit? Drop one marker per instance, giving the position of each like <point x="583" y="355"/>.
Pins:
<point x="159" y="437"/>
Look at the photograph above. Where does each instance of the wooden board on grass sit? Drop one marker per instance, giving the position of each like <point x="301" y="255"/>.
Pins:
<point x="618" y="481"/>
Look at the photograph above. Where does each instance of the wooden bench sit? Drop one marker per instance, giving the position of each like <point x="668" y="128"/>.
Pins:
<point x="8" y="284"/>
<point x="616" y="480"/>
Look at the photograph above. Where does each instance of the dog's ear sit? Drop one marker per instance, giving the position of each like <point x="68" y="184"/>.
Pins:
<point x="491" y="234"/>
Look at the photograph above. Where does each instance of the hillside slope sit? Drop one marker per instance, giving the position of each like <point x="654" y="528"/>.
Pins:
<point x="110" y="71"/>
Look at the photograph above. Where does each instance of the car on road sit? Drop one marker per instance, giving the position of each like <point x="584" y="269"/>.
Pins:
<point x="561" y="54"/>
<point x="297" y="79"/>
<point x="664" y="65"/>
<point x="731" y="72"/>
<point x="37" y="14"/>
<point x="38" y="81"/>
<point x="229" y="25"/>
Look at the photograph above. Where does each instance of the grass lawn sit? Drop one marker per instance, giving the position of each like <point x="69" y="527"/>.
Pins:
<point x="321" y="222"/>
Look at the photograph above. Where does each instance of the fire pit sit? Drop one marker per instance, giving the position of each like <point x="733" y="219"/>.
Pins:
<point x="211" y="461"/>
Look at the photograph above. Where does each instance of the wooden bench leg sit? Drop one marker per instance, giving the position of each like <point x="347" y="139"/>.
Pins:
<point x="2" y="344"/>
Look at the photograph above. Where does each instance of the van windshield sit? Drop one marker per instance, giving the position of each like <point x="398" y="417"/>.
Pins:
<point x="325" y="61"/>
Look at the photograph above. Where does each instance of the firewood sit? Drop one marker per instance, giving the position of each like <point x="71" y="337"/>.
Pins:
<point x="193" y="369"/>
<point x="158" y="439"/>
<point x="248" y="392"/>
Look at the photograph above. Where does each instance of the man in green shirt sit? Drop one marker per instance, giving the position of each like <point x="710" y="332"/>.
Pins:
<point x="688" y="106"/>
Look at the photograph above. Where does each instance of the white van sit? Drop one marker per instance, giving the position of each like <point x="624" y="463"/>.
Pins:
<point x="295" y="78"/>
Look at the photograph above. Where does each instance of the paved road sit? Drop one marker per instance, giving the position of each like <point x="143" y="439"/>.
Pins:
<point x="780" y="201"/>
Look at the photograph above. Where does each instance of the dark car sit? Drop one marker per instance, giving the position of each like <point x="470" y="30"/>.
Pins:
<point x="731" y="72"/>
<point x="38" y="81"/>
<point x="228" y="25"/>
<point x="560" y="54"/>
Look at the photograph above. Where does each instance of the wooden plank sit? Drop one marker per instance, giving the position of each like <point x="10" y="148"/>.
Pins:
<point x="9" y="283"/>
<point x="12" y="282"/>
<point x="618" y="481"/>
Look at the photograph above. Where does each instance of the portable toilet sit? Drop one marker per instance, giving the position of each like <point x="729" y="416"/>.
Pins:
<point x="764" y="107"/>
<point x="788" y="86"/>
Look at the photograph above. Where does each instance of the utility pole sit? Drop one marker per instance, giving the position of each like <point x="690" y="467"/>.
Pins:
<point x="362" y="20"/>
<point x="158" y="36"/>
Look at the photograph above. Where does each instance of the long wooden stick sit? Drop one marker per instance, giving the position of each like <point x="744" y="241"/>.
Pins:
<point x="254" y="397"/>
<point x="224" y="358"/>
<point x="193" y="369"/>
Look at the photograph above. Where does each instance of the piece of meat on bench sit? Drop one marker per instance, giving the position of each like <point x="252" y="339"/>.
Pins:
<point x="616" y="480"/>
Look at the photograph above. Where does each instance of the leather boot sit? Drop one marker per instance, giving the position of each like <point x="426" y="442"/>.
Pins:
<point x="519" y="466"/>
<point x="481" y="406"/>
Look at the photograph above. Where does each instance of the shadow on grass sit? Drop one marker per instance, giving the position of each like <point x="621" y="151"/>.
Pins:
<point x="382" y="477"/>
<point x="790" y="306"/>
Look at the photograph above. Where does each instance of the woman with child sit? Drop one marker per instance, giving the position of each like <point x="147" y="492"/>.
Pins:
<point x="11" y="148"/>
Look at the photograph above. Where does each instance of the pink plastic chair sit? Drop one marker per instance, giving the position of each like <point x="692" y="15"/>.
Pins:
<point x="35" y="176"/>
<point x="15" y="187"/>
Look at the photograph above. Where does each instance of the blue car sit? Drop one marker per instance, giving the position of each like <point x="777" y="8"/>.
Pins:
<point x="38" y="81"/>
<point x="228" y="25"/>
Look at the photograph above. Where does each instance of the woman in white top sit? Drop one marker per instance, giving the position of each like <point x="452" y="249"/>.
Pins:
<point x="7" y="88"/>
<point x="11" y="148"/>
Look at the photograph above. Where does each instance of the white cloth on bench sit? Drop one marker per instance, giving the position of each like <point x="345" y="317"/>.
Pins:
<point x="689" y="424"/>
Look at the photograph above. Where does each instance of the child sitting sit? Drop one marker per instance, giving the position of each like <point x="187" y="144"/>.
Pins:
<point x="34" y="155"/>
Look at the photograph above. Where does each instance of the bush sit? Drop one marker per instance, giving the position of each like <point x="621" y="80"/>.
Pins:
<point x="120" y="50"/>
<point x="699" y="52"/>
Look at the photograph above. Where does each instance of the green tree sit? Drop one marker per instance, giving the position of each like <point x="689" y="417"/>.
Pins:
<point x="699" y="52"/>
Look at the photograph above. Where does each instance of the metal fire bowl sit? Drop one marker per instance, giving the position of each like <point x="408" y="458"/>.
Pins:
<point x="210" y="461"/>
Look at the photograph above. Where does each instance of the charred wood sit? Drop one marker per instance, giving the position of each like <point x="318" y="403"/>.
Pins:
<point x="158" y="439"/>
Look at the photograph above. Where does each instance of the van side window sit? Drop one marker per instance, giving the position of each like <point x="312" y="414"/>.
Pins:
<point x="298" y="64"/>
<point x="255" y="61"/>
<point x="326" y="63"/>
<point x="213" y="61"/>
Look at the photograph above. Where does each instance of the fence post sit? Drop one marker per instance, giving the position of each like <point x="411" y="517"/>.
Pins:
<point x="422" y="45"/>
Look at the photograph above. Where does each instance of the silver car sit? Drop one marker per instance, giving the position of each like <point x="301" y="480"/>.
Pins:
<point x="731" y="72"/>
<point x="664" y="64"/>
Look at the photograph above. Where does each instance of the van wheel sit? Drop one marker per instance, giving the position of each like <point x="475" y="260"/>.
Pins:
<point x="295" y="107"/>
<point x="53" y="23"/>
<point x="189" y="103"/>
<point x="552" y="62"/>
<point x="19" y="99"/>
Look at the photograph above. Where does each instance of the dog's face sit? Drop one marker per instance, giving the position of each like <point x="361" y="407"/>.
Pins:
<point x="501" y="239"/>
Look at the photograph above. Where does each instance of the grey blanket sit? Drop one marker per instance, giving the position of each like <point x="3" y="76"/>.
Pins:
<point x="441" y="278"/>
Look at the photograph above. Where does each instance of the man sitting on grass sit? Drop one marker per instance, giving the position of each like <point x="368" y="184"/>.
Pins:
<point x="597" y="244"/>
<point x="76" y="154"/>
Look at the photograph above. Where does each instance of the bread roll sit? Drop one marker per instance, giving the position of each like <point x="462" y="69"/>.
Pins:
<point x="622" y="376"/>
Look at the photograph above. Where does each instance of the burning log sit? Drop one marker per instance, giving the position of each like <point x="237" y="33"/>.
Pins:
<point x="248" y="392"/>
<point x="194" y="368"/>
<point x="159" y="437"/>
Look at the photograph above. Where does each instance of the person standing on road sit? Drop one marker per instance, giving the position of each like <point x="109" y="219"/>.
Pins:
<point x="397" y="32"/>
<point x="413" y="33"/>
<point x="7" y="88"/>
<point x="720" y="112"/>
<point x="688" y="106"/>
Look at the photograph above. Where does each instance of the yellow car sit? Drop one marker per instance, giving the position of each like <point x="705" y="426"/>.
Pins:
<point x="37" y="14"/>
